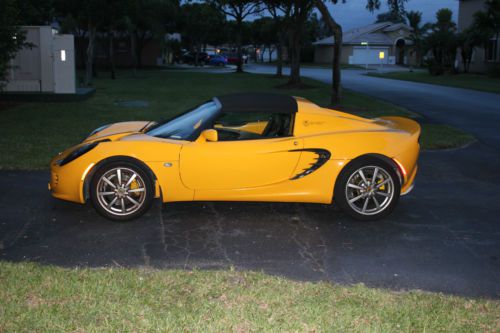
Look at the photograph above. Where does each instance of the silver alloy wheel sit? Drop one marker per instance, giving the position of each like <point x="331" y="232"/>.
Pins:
<point x="121" y="191"/>
<point x="369" y="190"/>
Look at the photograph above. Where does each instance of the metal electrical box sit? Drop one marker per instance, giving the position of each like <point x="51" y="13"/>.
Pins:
<point x="46" y="65"/>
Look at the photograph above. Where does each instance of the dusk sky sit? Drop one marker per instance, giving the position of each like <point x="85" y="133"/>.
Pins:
<point x="353" y="14"/>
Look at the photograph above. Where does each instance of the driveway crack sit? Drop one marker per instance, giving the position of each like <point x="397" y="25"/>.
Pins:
<point x="311" y="244"/>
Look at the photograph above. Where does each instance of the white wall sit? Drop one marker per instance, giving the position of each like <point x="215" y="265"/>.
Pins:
<point x="64" y="64"/>
<point x="38" y="68"/>
<point x="47" y="63"/>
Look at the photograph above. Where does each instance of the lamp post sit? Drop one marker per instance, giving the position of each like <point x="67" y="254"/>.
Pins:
<point x="367" y="53"/>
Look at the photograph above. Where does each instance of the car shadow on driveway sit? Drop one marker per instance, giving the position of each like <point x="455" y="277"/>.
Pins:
<point x="445" y="236"/>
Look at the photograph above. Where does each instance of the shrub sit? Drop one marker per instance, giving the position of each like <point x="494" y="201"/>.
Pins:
<point x="494" y="70"/>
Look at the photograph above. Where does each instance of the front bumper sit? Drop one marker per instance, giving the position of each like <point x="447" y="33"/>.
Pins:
<point x="66" y="183"/>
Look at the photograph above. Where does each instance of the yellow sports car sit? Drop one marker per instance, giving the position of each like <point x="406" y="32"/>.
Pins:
<point x="243" y="147"/>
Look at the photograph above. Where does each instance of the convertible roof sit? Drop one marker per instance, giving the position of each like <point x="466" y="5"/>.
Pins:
<point x="258" y="102"/>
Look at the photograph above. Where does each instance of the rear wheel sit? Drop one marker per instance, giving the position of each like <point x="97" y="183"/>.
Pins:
<point x="121" y="191"/>
<point x="367" y="189"/>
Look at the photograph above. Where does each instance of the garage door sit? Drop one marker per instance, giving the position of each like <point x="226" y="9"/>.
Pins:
<point x="362" y="56"/>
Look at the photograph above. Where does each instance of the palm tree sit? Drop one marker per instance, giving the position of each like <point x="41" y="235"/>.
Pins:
<point x="418" y="33"/>
<point x="487" y="22"/>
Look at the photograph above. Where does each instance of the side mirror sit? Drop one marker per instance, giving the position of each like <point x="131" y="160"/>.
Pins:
<point x="210" y="135"/>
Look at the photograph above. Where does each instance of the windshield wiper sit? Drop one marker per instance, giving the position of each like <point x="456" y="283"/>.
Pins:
<point x="146" y="126"/>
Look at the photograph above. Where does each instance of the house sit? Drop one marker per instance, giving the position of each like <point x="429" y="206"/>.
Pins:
<point x="365" y="45"/>
<point x="483" y="57"/>
<point x="45" y="65"/>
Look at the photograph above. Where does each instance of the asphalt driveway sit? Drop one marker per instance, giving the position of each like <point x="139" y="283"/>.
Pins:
<point x="444" y="236"/>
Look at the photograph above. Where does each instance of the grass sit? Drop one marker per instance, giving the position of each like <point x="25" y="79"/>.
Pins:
<point x="467" y="81"/>
<point x="443" y="137"/>
<point x="35" y="298"/>
<point x="34" y="132"/>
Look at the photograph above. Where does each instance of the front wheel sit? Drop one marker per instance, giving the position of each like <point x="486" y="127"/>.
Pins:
<point x="367" y="189"/>
<point x="121" y="191"/>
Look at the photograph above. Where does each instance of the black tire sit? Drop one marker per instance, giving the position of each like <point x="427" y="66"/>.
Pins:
<point x="140" y="190"/>
<point x="359" y="203"/>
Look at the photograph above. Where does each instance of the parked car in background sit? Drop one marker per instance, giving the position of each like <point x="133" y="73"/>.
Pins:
<point x="190" y="58"/>
<point x="232" y="58"/>
<point x="217" y="60"/>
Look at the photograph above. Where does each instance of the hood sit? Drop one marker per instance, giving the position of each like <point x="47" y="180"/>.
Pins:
<point x="126" y="127"/>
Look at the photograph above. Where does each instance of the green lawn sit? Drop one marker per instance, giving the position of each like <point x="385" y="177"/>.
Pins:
<point x="467" y="81"/>
<point x="34" y="132"/>
<point x="36" y="298"/>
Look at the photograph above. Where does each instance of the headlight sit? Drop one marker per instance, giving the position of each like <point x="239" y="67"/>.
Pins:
<point x="79" y="152"/>
<point x="97" y="130"/>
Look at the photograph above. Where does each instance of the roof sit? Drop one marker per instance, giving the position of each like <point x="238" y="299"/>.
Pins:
<point x="258" y="102"/>
<point x="397" y="26"/>
<point x="376" y="38"/>
<point x="373" y="34"/>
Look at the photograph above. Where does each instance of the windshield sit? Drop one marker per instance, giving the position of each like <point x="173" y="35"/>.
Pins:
<point x="186" y="126"/>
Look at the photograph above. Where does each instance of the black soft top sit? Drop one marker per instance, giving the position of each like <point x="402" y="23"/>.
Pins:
<point x="257" y="102"/>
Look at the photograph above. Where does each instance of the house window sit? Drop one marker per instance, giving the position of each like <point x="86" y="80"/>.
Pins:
<point x="491" y="50"/>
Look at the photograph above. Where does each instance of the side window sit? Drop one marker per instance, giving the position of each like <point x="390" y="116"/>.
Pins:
<point x="232" y="126"/>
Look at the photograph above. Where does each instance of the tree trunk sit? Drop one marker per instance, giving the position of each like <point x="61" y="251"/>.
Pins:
<point x="295" y="48"/>
<point x="469" y="60"/>
<point x="336" y="97"/>
<point x="336" y="71"/>
<point x="112" y="66"/>
<point x="270" y="54"/>
<point x="133" y="51"/>
<point x="495" y="48"/>
<point x="279" y="64"/>
<point x="140" y="47"/>
<point x="463" y="54"/>
<point x="90" y="54"/>
<point x="196" y="55"/>
<point x="239" y="65"/>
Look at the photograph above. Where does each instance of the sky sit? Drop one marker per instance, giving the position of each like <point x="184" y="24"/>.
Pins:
<point x="353" y="13"/>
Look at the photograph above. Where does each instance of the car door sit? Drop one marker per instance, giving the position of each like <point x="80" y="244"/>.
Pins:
<point x="238" y="164"/>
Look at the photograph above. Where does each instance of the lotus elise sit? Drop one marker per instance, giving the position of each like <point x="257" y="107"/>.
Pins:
<point x="243" y="147"/>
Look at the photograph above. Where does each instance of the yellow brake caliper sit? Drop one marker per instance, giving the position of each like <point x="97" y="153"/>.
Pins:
<point x="381" y="188"/>
<point x="134" y="185"/>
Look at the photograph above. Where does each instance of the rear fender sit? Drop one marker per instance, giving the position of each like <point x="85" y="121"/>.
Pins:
<point x="390" y="162"/>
